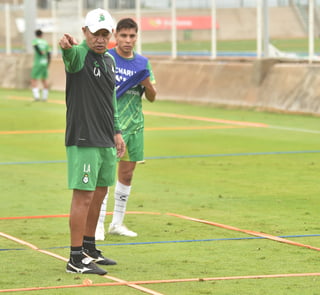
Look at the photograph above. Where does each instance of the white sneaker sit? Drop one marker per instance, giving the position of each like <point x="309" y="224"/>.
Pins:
<point x="121" y="230"/>
<point x="99" y="233"/>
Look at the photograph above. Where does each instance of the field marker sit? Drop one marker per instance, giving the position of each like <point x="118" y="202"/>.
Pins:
<point x="242" y="123"/>
<point x="30" y="131"/>
<point x="11" y="132"/>
<point x="32" y="100"/>
<point x="137" y="283"/>
<point x="250" y="232"/>
<point x="165" y="114"/>
<point x="215" y="120"/>
<point x="33" y="247"/>
<point x="171" y="115"/>
<point x="193" y="128"/>
<point x="180" y="157"/>
<point x="67" y="215"/>
<point x="295" y="129"/>
<point x="172" y="242"/>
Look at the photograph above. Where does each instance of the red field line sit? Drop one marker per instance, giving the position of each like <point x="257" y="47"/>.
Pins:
<point x="172" y="115"/>
<point x="126" y="283"/>
<point x="34" y="217"/>
<point x="33" y="247"/>
<point x="136" y="284"/>
<point x="30" y="132"/>
<point x="250" y="232"/>
<point x="31" y="99"/>
<point x="67" y="215"/>
<point x="147" y="129"/>
<point x="193" y="128"/>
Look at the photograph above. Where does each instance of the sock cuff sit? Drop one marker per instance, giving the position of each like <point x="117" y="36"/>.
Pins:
<point x="76" y="250"/>
<point x="89" y="240"/>
<point x="89" y="243"/>
<point x="122" y="188"/>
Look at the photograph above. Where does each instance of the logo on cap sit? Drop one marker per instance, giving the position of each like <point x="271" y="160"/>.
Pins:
<point x="102" y="18"/>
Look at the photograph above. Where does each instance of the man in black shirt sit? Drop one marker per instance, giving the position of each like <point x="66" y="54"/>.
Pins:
<point x="93" y="135"/>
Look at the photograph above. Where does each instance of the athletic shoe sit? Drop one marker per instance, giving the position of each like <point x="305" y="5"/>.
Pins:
<point x="85" y="266"/>
<point x="100" y="233"/>
<point x="121" y="230"/>
<point x="98" y="258"/>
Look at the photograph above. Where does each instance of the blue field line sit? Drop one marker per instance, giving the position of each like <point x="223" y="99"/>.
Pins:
<point x="202" y="53"/>
<point x="219" y="53"/>
<point x="180" y="157"/>
<point x="176" y="241"/>
<point x="233" y="154"/>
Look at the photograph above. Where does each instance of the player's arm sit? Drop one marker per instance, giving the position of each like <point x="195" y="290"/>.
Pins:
<point x="119" y="142"/>
<point x="36" y="48"/>
<point x="150" y="90"/>
<point x="49" y="57"/>
<point x="72" y="57"/>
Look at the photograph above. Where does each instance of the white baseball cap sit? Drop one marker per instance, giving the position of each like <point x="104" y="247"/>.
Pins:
<point x="98" y="19"/>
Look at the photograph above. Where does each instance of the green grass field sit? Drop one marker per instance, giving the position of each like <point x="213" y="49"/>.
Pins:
<point x="263" y="179"/>
<point x="299" y="45"/>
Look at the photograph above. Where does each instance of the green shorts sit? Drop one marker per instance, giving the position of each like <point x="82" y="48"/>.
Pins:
<point x="89" y="167"/>
<point x="39" y="72"/>
<point x="134" y="147"/>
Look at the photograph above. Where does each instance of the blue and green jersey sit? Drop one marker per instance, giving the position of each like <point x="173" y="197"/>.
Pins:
<point x="130" y="103"/>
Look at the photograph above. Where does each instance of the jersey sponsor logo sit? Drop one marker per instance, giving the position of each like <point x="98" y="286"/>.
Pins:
<point x="125" y="72"/>
<point x="132" y="91"/>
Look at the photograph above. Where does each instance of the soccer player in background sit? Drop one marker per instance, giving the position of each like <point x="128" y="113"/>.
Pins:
<point x="134" y="77"/>
<point x="41" y="61"/>
<point x="93" y="136"/>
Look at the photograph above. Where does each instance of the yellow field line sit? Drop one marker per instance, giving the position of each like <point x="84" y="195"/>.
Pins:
<point x="215" y="120"/>
<point x="30" y="132"/>
<point x="193" y="128"/>
<point x="33" y="247"/>
<point x="31" y="99"/>
<point x="88" y="283"/>
<point x="136" y="284"/>
<point x="230" y="123"/>
<point x="147" y="129"/>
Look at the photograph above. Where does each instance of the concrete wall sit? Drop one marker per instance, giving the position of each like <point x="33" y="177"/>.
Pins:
<point x="15" y="70"/>
<point x="267" y="84"/>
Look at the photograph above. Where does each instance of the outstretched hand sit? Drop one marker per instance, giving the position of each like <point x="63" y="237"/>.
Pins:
<point x="67" y="41"/>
